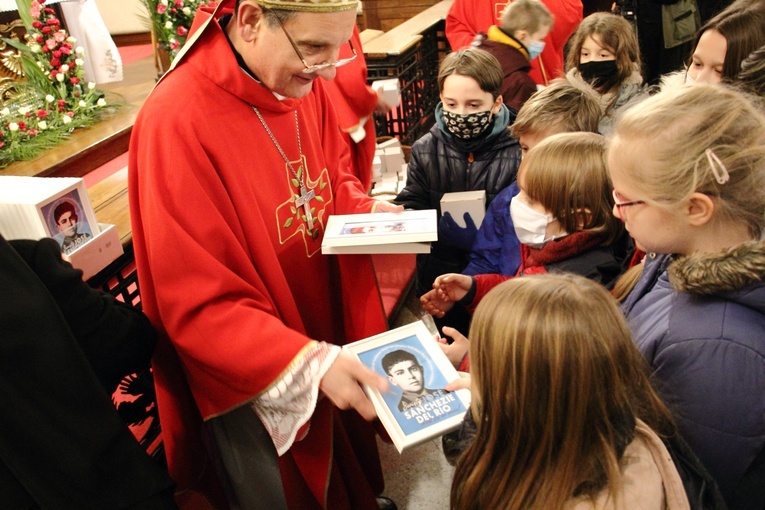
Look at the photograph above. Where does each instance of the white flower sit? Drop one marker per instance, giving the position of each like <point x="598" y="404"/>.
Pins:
<point x="163" y="2"/>
<point x="91" y="85"/>
<point x="186" y="11"/>
<point x="50" y="98"/>
<point x="60" y="77"/>
<point x="42" y="125"/>
<point x="79" y="62"/>
<point x="168" y="24"/>
<point x="101" y="102"/>
<point x="23" y="110"/>
<point x="83" y="104"/>
<point x="13" y="126"/>
<point x="67" y="119"/>
<point x="64" y="68"/>
<point x="5" y="112"/>
<point x="36" y="48"/>
<point x="79" y="50"/>
<point x="71" y="40"/>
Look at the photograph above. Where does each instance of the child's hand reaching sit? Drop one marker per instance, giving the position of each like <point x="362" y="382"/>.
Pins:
<point x="432" y="304"/>
<point x="457" y="350"/>
<point x="452" y="286"/>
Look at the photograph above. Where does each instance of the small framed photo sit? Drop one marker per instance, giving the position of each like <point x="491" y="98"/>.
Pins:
<point x="67" y="221"/>
<point x="417" y="406"/>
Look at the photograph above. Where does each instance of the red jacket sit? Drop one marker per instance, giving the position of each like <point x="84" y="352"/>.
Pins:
<point x="466" y="18"/>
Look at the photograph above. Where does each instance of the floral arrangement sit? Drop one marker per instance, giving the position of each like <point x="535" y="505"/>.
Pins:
<point x="55" y="100"/>
<point x="171" y="21"/>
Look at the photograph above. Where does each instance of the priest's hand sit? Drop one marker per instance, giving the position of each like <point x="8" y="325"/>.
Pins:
<point x="383" y="206"/>
<point x="342" y="384"/>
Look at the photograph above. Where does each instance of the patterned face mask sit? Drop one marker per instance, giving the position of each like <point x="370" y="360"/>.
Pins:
<point x="467" y="126"/>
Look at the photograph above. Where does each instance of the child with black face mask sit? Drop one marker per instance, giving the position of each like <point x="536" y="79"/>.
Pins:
<point x="468" y="149"/>
<point x="604" y="56"/>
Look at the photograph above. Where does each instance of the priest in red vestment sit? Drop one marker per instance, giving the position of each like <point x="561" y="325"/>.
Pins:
<point x="236" y="162"/>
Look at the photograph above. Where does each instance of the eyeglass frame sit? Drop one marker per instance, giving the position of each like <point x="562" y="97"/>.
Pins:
<point x="620" y="206"/>
<point x="310" y="69"/>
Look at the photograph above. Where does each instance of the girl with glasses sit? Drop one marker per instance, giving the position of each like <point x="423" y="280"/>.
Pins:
<point x="692" y="163"/>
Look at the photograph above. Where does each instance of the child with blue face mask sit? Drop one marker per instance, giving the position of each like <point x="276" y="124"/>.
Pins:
<point x="563" y="218"/>
<point x="468" y="149"/>
<point x="515" y="43"/>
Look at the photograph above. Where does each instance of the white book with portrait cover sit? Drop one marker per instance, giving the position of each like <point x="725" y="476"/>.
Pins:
<point x="57" y="207"/>
<point x="416" y="408"/>
<point x="401" y="232"/>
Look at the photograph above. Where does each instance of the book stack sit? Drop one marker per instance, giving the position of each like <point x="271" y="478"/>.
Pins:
<point x="59" y="208"/>
<point x="388" y="168"/>
<point x="404" y="232"/>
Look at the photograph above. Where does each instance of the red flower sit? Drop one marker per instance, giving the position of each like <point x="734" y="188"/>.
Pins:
<point x="53" y="74"/>
<point x="70" y="114"/>
<point x="42" y="114"/>
<point x="53" y="22"/>
<point x="61" y="105"/>
<point x="56" y="54"/>
<point x="174" y="45"/>
<point x="179" y="3"/>
<point x="45" y="30"/>
<point x="66" y="50"/>
<point x="2" y="144"/>
<point x="74" y="80"/>
<point x="45" y="49"/>
<point x="161" y="8"/>
<point x="182" y="31"/>
<point x="27" y="115"/>
<point x="22" y="125"/>
<point x="48" y="10"/>
<point x="39" y="38"/>
<point x="37" y="25"/>
<point x="33" y="132"/>
<point x="54" y="62"/>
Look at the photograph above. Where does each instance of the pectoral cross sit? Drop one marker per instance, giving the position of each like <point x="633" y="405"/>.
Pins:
<point x="303" y="201"/>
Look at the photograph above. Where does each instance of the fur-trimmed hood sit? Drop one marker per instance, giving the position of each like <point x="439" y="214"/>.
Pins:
<point x="737" y="273"/>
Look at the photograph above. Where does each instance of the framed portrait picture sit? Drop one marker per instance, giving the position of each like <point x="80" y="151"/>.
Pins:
<point x="67" y="221"/>
<point x="417" y="406"/>
<point x="37" y="207"/>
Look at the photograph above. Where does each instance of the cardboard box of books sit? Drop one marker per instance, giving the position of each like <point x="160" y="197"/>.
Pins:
<point x="416" y="407"/>
<point x="403" y="232"/>
<point x="461" y="202"/>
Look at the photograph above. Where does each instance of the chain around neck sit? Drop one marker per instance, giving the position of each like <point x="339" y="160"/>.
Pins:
<point x="279" y="147"/>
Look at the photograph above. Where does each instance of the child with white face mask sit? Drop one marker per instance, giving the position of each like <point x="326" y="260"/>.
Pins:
<point x="562" y="216"/>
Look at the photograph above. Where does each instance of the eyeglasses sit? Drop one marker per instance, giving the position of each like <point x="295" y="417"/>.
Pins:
<point x="309" y="69"/>
<point x="621" y="205"/>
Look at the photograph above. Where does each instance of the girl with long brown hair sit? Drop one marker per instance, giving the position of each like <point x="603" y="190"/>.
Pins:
<point x="566" y="416"/>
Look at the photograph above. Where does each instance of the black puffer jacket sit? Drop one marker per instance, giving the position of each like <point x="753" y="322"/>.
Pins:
<point x="440" y="164"/>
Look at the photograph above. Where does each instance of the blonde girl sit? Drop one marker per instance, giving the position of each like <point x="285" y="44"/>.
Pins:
<point x="565" y="414"/>
<point x="604" y="57"/>
<point x="562" y="217"/>
<point x="688" y="170"/>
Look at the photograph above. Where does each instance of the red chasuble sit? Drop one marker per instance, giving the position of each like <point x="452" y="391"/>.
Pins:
<point x="353" y="100"/>
<point x="231" y="274"/>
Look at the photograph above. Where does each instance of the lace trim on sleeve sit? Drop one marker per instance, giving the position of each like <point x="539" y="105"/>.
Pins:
<point x="289" y="402"/>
